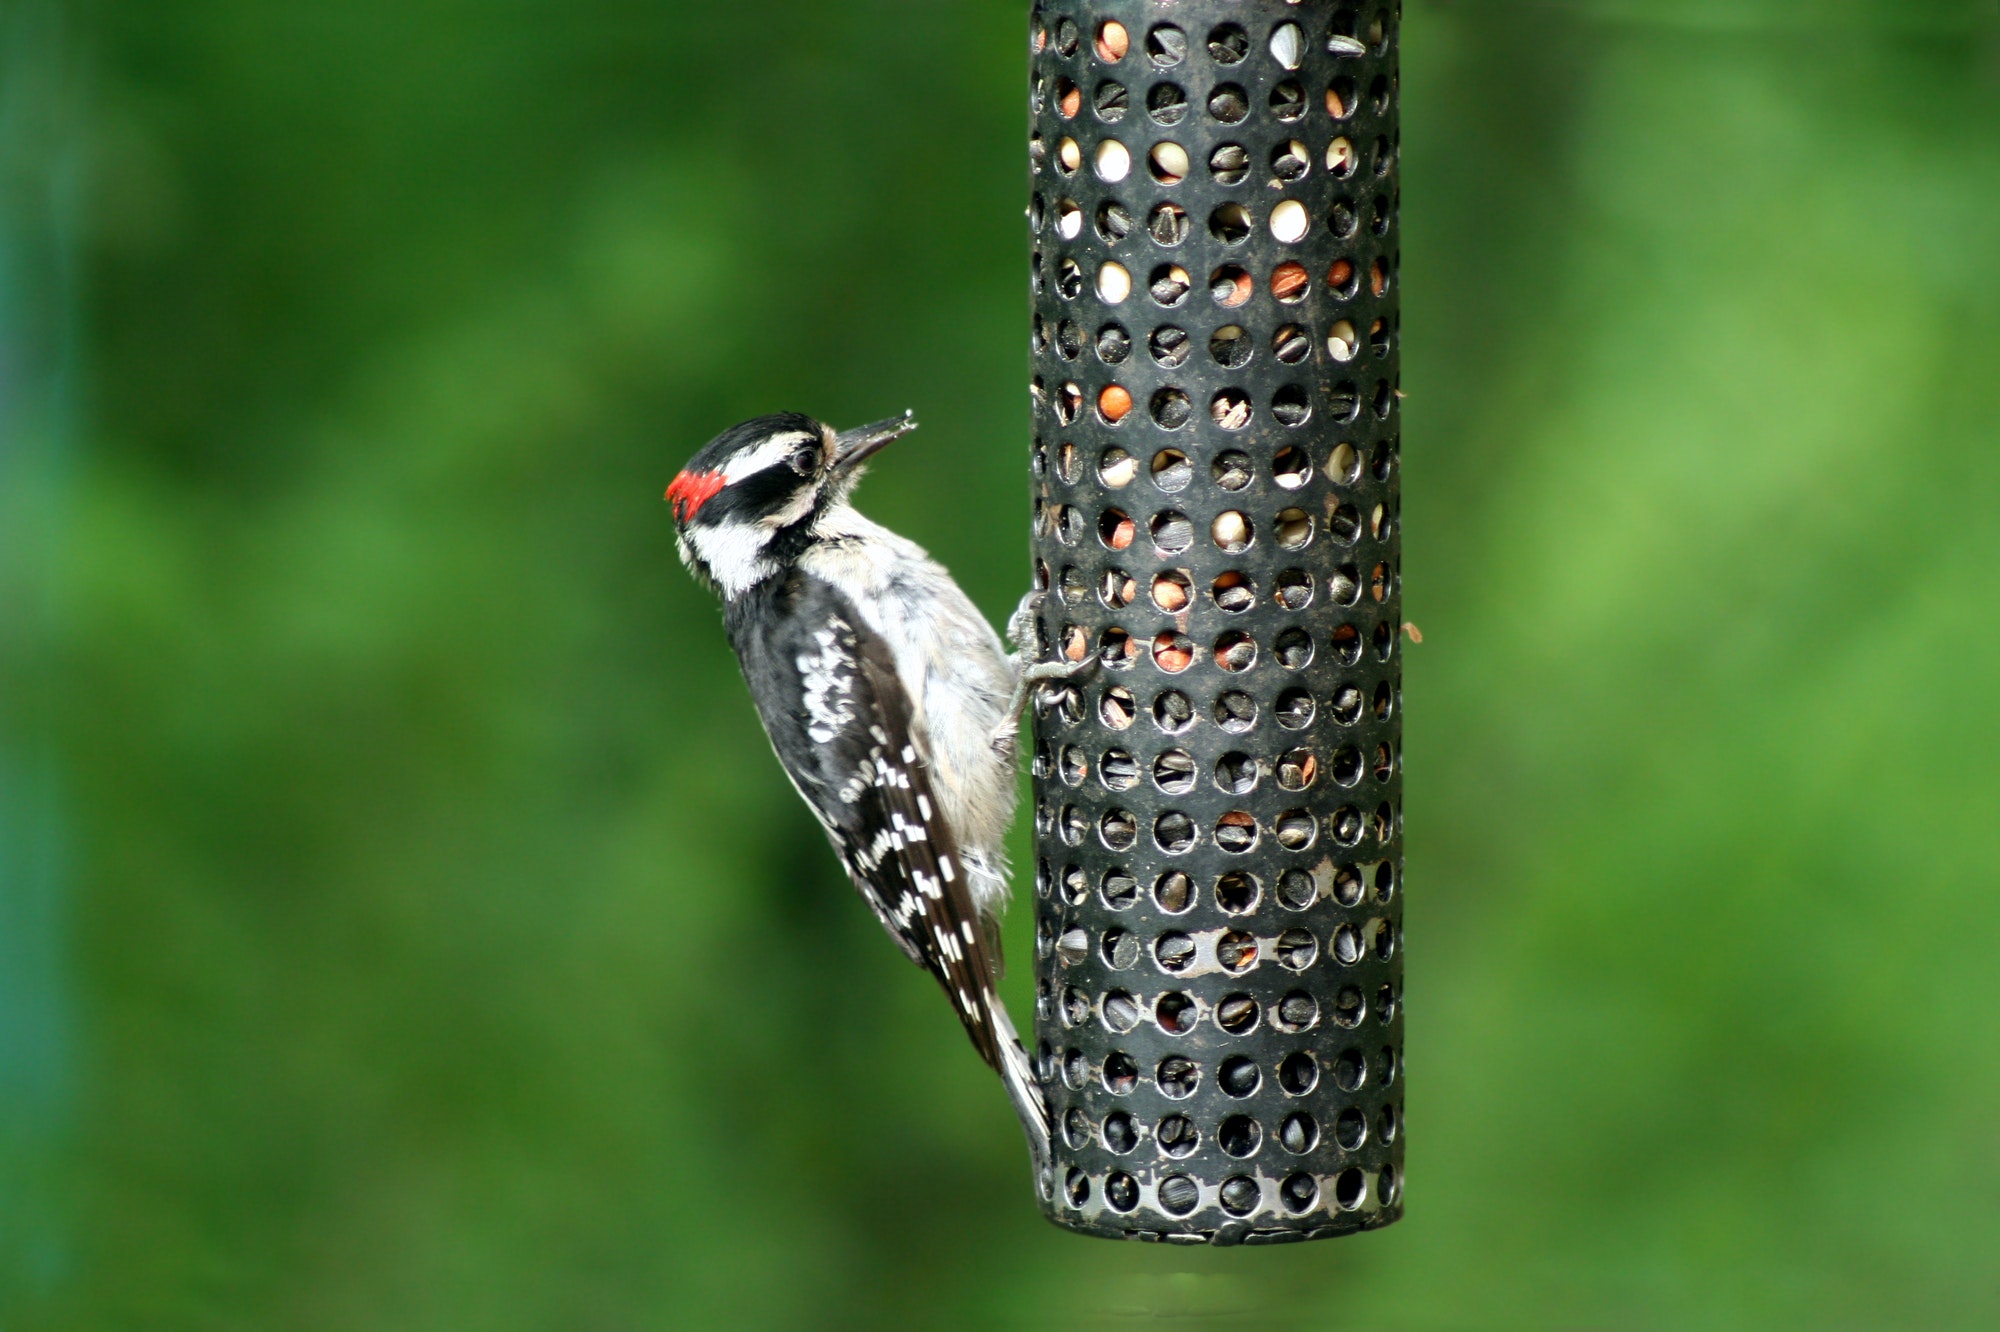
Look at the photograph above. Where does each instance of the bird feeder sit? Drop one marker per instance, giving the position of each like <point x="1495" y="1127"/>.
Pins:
<point x="1218" y="804"/>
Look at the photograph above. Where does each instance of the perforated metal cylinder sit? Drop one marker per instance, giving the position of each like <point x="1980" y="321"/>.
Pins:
<point x="1218" y="808"/>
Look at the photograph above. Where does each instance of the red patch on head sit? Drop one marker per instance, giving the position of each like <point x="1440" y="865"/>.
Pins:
<point x="691" y="490"/>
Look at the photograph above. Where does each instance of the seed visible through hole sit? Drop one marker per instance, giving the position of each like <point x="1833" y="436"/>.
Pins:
<point x="1176" y="1013"/>
<point x="1173" y="833"/>
<point x="1294" y="709"/>
<point x="1288" y="101"/>
<point x="1179" y="1195"/>
<point x="1229" y="164"/>
<point x="1229" y="104"/>
<point x="1114" y="344"/>
<point x="1239" y="1136"/>
<point x="1289" y="221"/>
<point x="1116" y="468"/>
<point x="1121" y="1011"/>
<point x="1168" y="345"/>
<point x="1170" y="409"/>
<point x="1114" y="223"/>
<point x="1291" y="161"/>
<point x="1291" y="345"/>
<point x="1172" y="532"/>
<point x="1230" y="346"/>
<point x="1110" y="102"/>
<point x="1166" y="46"/>
<point x="1171" y="470"/>
<point x="1173" y="713"/>
<point x="1230" y="286"/>
<point x="1113" y="161"/>
<point x="1119" y="889"/>
<point x="1173" y="892"/>
<point x="1121" y="1191"/>
<point x="1229" y="223"/>
<point x="1173" y="772"/>
<point x="1174" y="951"/>
<point x="1235" y="711"/>
<point x="1340" y="98"/>
<point x="1237" y="892"/>
<point x="1238" y="1076"/>
<point x="1114" y="283"/>
<point x="1112" y="42"/>
<point x="1231" y="470"/>
<point x="1289" y="282"/>
<point x="1177" y="1077"/>
<point x="1166" y="105"/>
<point x="1297" y="890"/>
<point x="1233" y="593"/>
<point x="1231" y="531"/>
<point x="1298" y="1073"/>
<point x="1236" y="651"/>
<point x="1236" y="1014"/>
<point x="1177" y="1136"/>
<point x="1290" y="405"/>
<point x="1296" y="830"/>
<point x="1287" y="45"/>
<point x="1168" y="163"/>
<point x="1298" y="1133"/>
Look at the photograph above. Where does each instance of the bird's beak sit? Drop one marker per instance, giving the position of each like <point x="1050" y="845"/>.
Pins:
<point x="852" y="447"/>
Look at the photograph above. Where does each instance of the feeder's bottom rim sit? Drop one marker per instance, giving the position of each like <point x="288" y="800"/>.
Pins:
<point x="1231" y="1233"/>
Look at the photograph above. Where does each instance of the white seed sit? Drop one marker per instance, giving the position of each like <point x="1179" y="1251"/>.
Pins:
<point x="1117" y="469"/>
<point x="1170" y="163"/>
<point x="1345" y="46"/>
<point x="1287" y="42"/>
<point x="1068" y="156"/>
<point x="1230" y="530"/>
<point x="1114" y="163"/>
<point x="1069" y="220"/>
<point x="1340" y="157"/>
<point x="1342" y="341"/>
<point x="1289" y="220"/>
<point x="1114" y="284"/>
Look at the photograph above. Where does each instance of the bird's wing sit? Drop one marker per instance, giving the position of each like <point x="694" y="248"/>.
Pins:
<point x="855" y="756"/>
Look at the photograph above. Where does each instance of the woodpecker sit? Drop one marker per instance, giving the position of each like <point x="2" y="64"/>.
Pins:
<point x="889" y="700"/>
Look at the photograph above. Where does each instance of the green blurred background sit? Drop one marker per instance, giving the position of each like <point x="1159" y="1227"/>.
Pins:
<point x="403" y="924"/>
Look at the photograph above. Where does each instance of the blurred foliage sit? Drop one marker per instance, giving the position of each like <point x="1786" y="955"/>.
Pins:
<point x="442" y="947"/>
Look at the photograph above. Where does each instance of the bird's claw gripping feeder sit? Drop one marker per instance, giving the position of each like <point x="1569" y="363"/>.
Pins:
<point x="1218" y="808"/>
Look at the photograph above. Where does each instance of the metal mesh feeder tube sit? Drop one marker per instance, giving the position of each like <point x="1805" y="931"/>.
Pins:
<point x="1218" y="806"/>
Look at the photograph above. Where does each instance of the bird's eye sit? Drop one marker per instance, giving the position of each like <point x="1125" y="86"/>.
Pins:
<point x="805" y="461"/>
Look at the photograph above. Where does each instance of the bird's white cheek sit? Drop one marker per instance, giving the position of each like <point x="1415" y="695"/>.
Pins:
<point x="733" y="554"/>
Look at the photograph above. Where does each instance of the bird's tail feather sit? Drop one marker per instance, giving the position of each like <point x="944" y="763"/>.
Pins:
<point x="1017" y="1075"/>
